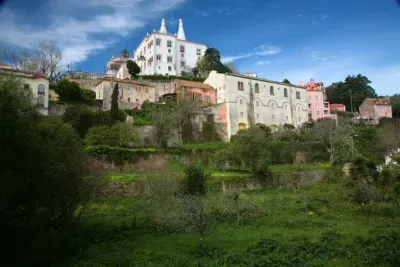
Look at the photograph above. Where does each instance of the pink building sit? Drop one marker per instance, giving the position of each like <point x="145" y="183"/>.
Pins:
<point x="318" y="108"/>
<point x="375" y="108"/>
<point x="197" y="91"/>
<point x="337" y="107"/>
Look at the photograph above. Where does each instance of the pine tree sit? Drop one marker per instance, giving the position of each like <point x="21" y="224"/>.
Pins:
<point x="114" y="103"/>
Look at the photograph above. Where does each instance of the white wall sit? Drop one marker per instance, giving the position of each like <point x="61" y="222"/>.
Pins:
<point x="34" y="85"/>
<point x="268" y="109"/>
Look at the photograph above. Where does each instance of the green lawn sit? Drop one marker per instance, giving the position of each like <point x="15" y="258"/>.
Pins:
<point x="312" y="226"/>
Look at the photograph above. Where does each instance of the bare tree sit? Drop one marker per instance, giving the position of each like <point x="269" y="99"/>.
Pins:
<point x="44" y="56"/>
<point x="388" y="137"/>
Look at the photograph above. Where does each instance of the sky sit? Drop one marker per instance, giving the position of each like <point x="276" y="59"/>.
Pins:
<point x="295" y="39"/>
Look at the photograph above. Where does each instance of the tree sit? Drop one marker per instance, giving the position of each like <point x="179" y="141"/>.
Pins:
<point x="88" y="95"/>
<point x="286" y="81"/>
<point x="233" y="67"/>
<point x="133" y="68"/>
<point x="114" y="103"/>
<point x="80" y="117"/>
<point x="44" y="56"/>
<point x="210" y="61"/>
<point x="42" y="189"/>
<point x="120" y="134"/>
<point x="125" y="53"/>
<point x="388" y="137"/>
<point x="357" y="85"/>
<point x="395" y="100"/>
<point x="68" y="90"/>
<point x="195" y="181"/>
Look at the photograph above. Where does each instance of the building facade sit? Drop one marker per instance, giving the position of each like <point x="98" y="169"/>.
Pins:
<point x="337" y="107"/>
<point x="374" y="109"/>
<point x="132" y="94"/>
<point x="36" y="82"/>
<point x="318" y="107"/>
<point x="168" y="54"/>
<point x="194" y="91"/>
<point x="86" y="80"/>
<point x="243" y="101"/>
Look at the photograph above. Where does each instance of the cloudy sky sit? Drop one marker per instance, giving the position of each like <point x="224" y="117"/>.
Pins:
<point x="295" y="39"/>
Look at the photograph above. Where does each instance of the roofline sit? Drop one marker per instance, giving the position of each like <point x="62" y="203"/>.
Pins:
<point x="204" y="84"/>
<point x="107" y="79"/>
<point x="260" y="79"/>
<point x="36" y="75"/>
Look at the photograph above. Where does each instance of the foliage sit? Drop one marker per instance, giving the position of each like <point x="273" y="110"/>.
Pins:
<point x="210" y="61"/>
<point x="82" y="118"/>
<point x="360" y="89"/>
<point x="43" y="179"/>
<point x="288" y="127"/>
<point x="395" y="101"/>
<point x="88" y="95"/>
<point x="124" y="52"/>
<point x="140" y="116"/>
<point x="133" y="68"/>
<point x="119" y="155"/>
<point x="286" y="81"/>
<point x="114" y="103"/>
<point x="68" y="90"/>
<point x="196" y="181"/>
<point x="98" y="135"/>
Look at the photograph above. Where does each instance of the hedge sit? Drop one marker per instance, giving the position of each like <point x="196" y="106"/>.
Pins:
<point x="119" y="155"/>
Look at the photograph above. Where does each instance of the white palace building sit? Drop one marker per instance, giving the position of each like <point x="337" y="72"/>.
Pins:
<point x="166" y="53"/>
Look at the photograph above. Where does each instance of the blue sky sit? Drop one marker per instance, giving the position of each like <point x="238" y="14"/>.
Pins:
<point x="295" y="39"/>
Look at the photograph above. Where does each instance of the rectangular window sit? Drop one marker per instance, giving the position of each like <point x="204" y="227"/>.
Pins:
<point x="182" y="55"/>
<point x="158" y="41"/>
<point x="208" y="99"/>
<point x="257" y="103"/>
<point x="158" y="57"/>
<point x="192" y="96"/>
<point x="241" y="114"/>
<point x="240" y="86"/>
<point x="40" y="100"/>
<point x="198" y="51"/>
<point x="316" y="97"/>
<point x="169" y="59"/>
<point x="200" y="98"/>
<point x="129" y="99"/>
<point x="182" y="63"/>
<point x="147" y="89"/>
<point x="169" y="43"/>
<point x="317" y="112"/>
<point x="182" y="49"/>
<point x="297" y="95"/>
<point x="317" y="105"/>
<point x="309" y="105"/>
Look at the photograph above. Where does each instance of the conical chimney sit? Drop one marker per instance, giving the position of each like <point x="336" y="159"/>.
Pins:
<point x="181" y="32"/>
<point x="163" y="29"/>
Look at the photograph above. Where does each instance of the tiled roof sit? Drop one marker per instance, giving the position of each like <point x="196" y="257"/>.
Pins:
<point x="378" y="101"/>
<point x="35" y="75"/>
<point x="192" y="84"/>
<point x="4" y="65"/>
<point x="336" y="105"/>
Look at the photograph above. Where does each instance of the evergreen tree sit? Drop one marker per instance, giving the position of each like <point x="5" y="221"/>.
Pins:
<point x="114" y="103"/>
<point x="133" y="68"/>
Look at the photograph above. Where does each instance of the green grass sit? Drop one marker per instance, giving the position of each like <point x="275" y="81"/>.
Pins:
<point x="285" y="220"/>
<point x="122" y="176"/>
<point x="299" y="167"/>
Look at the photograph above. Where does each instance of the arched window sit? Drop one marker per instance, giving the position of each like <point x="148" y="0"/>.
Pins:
<point x="41" y="89"/>
<point x="271" y="90"/>
<point x="257" y="88"/>
<point x="285" y="93"/>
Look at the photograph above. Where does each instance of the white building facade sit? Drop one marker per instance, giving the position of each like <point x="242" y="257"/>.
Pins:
<point x="249" y="100"/>
<point x="165" y="53"/>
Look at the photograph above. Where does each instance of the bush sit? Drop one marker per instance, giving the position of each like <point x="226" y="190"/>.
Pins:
<point x="67" y="90"/>
<point x="195" y="181"/>
<point x="333" y="174"/>
<point x="98" y="135"/>
<point x="43" y="178"/>
<point x="88" y="95"/>
<point x="119" y="155"/>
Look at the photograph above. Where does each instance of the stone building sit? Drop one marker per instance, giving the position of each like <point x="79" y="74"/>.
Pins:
<point x="169" y="54"/>
<point x="131" y="95"/>
<point x="373" y="109"/>
<point x="243" y="101"/>
<point x="86" y="80"/>
<point x="37" y="82"/>
<point x="337" y="107"/>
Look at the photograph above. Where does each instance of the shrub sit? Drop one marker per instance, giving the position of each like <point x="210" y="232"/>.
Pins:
<point x="119" y="155"/>
<point x="68" y="90"/>
<point x="333" y="174"/>
<point x="98" y="135"/>
<point x="122" y="135"/>
<point x="80" y="117"/>
<point x="88" y="95"/>
<point x="195" y="181"/>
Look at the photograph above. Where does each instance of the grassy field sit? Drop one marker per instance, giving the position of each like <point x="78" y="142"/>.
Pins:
<point x="312" y="226"/>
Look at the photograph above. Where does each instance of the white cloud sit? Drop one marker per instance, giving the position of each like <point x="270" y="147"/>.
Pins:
<point x="263" y="62"/>
<point x="262" y="50"/>
<point x="324" y="17"/>
<point x="108" y="22"/>
<point x="320" y="57"/>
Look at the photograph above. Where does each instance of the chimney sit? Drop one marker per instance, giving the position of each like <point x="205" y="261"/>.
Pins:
<point x="163" y="29"/>
<point x="181" y="32"/>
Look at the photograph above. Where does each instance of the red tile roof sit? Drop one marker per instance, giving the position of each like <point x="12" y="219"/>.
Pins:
<point x="35" y="75"/>
<point x="192" y="84"/>
<point x="336" y="105"/>
<point x="378" y="101"/>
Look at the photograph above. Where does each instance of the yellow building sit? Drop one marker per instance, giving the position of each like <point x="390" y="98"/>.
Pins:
<point x="131" y="95"/>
